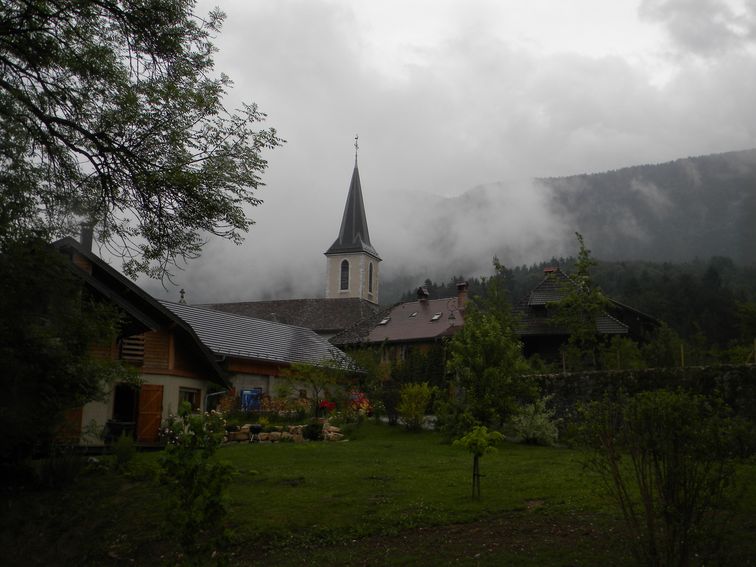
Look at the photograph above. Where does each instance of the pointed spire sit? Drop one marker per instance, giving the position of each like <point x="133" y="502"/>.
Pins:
<point x="354" y="235"/>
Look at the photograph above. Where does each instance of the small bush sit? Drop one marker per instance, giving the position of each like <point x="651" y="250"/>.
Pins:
<point x="413" y="402"/>
<point x="124" y="450"/>
<point x="534" y="423"/>
<point x="668" y="459"/>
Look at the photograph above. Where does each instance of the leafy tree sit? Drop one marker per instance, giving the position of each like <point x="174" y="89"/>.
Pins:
<point x="486" y="357"/>
<point x="578" y="310"/>
<point x="319" y="379"/>
<point x="111" y="113"/>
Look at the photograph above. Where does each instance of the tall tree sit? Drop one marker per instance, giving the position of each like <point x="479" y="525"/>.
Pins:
<point x="486" y="356"/>
<point x="111" y="113"/>
<point x="578" y="310"/>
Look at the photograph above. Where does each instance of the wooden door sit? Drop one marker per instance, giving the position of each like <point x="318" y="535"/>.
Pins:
<point x="150" y="413"/>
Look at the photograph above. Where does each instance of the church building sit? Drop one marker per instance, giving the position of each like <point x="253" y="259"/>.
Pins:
<point x="352" y="279"/>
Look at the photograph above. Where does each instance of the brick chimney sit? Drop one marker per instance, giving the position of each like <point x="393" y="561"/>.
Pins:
<point x="422" y="294"/>
<point x="461" y="295"/>
<point x="86" y="236"/>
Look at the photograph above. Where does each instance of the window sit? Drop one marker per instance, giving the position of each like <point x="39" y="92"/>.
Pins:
<point x="436" y="316"/>
<point x="132" y="349"/>
<point x="385" y="321"/>
<point x="344" y="275"/>
<point x="370" y="278"/>
<point x="190" y="395"/>
<point x="413" y="315"/>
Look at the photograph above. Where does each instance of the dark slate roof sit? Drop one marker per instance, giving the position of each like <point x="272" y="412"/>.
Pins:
<point x="536" y="321"/>
<point x="432" y="319"/>
<point x="354" y="236"/>
<point x="320" y="315"/>
<point x="533" y="316"/>
<point x="553" y="288"/>
<point x="257" y="339"/>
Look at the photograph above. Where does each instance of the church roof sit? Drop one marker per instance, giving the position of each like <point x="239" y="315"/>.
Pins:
<point x="353" y="235"/>
<point x="320" y="315"/>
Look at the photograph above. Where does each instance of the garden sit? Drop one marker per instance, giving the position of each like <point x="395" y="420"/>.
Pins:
<point x="384" y="495"/>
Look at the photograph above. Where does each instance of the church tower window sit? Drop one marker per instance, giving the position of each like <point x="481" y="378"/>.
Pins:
<point x="344" y="275"/>
<point x="370" y="278"/>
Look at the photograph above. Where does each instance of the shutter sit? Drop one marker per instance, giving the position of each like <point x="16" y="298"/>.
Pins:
<point x="150" y="413"/>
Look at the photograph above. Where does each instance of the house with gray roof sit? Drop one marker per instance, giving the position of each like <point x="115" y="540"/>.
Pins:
<point x="182" y="353"/>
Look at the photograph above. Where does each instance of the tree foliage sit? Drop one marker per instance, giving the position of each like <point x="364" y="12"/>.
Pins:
<point x="486" y="357"/>
<point x="667" y="458"/>
<point x="578" y="311"/>
<point x="111" y="113"/>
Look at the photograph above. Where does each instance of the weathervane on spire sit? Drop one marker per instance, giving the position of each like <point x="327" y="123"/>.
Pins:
<point x="356" y="147"/>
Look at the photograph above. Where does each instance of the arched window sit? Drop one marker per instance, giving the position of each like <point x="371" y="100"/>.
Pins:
<point x="344" y="275"/>
<point x="370" y="278"/>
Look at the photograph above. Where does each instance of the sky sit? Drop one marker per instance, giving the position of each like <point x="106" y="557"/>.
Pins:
<point x="447" y="96"/>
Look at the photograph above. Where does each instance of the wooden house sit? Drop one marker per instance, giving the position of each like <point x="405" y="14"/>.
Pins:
<point x="181" y="353"/>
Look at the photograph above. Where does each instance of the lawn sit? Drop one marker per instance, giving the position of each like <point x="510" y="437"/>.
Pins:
<point x="386" y="497"/>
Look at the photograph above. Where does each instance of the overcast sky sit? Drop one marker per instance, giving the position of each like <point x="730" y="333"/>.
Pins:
<point x="449" y="95"/>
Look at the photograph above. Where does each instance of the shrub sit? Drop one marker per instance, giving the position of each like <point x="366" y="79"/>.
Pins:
<point x="668" y="460"/>
<point x="123" y="452"/>
<point x="534" y="423"/>
<point x="453" y="420"/>
<point x="195" y="481"/>
<point x="414" y="399"/>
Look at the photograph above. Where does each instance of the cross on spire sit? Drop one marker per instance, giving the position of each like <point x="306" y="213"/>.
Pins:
<point x="356" y="147"/>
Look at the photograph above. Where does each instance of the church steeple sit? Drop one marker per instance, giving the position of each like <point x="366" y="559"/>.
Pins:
<point x="352" y="260"/>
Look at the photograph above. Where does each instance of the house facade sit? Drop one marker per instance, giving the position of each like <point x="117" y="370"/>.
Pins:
<point x="180" y="353"/>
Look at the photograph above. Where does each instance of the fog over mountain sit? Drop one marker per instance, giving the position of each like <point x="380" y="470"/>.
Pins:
<point x="459" y="106"/>
<point x="676" y="211"/>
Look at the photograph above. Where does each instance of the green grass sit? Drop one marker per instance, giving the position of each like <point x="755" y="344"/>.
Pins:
<point x="386" y="497"/>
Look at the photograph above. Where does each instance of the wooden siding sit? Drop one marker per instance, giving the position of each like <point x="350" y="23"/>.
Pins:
<point x="156" y="349"/>
<point x="246" y="366"/>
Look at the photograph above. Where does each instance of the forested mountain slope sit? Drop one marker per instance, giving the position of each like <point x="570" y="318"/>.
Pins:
<point x="693" y="207"/>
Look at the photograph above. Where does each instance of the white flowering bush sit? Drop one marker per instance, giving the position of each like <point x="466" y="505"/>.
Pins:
<point x="534" y="423"/>
<point x="196" y="481"/>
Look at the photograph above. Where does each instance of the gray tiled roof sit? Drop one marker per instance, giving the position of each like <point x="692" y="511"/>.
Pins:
<point x="533" y="317"/>
<point x="354" y="235"/>
<point x="246" y="337"/>
<point x="320" y="315"/>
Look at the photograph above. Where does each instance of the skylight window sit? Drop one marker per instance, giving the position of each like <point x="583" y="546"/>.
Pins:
<point x="436" y="316"/>
<point x="413" y="314"/>
<point x="385" y="321"/>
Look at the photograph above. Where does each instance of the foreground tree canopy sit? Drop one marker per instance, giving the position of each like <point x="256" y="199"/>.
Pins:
<point x="111" y="114"/>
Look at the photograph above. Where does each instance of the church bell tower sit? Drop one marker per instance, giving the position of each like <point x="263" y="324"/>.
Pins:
<point x="352" y="262"/>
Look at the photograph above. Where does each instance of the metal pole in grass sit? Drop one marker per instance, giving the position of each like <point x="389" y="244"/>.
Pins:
<point x="478" y="441"/>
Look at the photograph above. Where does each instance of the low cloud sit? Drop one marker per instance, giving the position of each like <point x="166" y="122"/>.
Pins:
<point x="470" y="109"/>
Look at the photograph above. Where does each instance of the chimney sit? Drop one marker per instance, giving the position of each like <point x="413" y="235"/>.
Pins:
<point x="422" y="294"/>
<point x="550" y="270"/>
<point x="461" y="295"/>
<point x="87" y="236"/>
